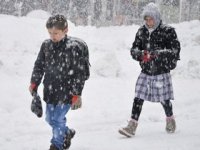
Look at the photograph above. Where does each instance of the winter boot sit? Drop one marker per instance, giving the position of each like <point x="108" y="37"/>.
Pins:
<point x="170" y="124"/>
<point x="67" y="140"/>
<point x="130" y="129"/>
<point x="53" y="147"/>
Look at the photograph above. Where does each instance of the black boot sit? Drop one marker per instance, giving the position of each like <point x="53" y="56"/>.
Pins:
<point x="67" y="140"/>
<point x="53" y="147"/>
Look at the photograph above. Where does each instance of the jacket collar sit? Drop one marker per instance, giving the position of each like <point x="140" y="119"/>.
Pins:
<point x="61" y="42"/>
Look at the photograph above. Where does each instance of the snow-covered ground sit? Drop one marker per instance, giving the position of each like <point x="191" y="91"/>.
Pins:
<point x="107" y="96"/>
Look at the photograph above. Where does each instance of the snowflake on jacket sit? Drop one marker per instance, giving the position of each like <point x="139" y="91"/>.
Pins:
<point x="162" y="43"/>
<point x="65" y="66"/>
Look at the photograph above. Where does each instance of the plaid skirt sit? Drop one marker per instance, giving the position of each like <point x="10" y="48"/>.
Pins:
<point x="154" y="88"/>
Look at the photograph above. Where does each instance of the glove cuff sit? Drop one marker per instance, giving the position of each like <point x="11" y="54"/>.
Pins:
<point x="33" y="86"/>
<point x="74" y="99"/>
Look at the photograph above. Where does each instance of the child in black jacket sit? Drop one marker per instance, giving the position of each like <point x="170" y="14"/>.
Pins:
<point x="156" y="48"/>
<point x="63" y="61"/>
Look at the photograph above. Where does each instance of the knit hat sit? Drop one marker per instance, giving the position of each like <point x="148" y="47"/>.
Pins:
<point x="151" y="10"/>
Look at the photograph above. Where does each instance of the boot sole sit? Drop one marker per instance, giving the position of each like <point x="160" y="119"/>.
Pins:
<point x="170" y="131"/>
<point x="125" y="133"/>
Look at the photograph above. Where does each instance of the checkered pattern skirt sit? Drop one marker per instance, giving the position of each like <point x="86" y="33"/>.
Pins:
<point x="154" y="88"/>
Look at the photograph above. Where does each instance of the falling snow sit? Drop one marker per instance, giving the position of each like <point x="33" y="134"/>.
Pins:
<point x="108" y="95"/>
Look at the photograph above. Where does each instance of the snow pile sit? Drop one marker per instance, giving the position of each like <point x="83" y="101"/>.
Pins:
<point x="189" y="36"/>
<point x="38" y="14"/>
<point x="107" y="66"/>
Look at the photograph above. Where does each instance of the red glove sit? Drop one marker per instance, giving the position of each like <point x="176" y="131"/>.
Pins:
<point x="74" y="99"/>
<point x="76" y="102"/>
<point x="33" y="88"/>
<point x="146" y="57"/>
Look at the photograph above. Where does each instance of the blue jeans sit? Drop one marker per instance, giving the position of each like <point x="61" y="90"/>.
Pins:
<point x="55" y="116"/>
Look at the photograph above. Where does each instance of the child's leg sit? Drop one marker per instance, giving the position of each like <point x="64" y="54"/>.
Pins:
<point x="137" y="108"/>
<point x="167" y="105"/>
<point x="55" y="116"/>
<point x="170" y="121"/>
<point x="130" y="129"/>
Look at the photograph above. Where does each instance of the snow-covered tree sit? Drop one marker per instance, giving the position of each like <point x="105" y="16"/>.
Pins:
<point x="170" y="10"/>
<point x="79" y="11"/>
<point x="105" y="12"/>
<point x="97" y="12"/>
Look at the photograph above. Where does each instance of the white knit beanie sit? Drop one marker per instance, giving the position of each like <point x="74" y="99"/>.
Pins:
<point x="151" y="10"/>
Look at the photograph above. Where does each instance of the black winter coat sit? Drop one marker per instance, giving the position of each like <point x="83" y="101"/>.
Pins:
<point x="162" y="43"/>
<point x="63" y="66"/>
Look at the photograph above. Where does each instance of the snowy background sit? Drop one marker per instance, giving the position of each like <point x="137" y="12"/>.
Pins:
<point x="105" y="12"/>
<point x="107" y="96"/>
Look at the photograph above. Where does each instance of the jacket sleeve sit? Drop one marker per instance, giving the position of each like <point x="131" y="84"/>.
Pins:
<point x="172" y="49"/>
<point x="136" y="50"/>
<point x="38" y="70"/>
<point x="168" y="57"/>
<point x="78" y="67"/>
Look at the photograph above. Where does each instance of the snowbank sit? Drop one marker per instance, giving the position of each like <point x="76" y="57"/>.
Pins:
<point x="39" y="14"/>
<point x="109" y="46"/>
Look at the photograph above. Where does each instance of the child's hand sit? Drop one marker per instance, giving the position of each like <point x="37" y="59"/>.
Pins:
<point x="76" y="102"/>
<point x="33" y="88"/>
<point x="146" y="57"/>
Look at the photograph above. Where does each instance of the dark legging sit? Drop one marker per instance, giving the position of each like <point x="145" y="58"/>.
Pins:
<point x="137" y="108"/>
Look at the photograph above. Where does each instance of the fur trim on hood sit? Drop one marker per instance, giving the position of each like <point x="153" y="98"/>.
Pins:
<point x="151" y="10"/>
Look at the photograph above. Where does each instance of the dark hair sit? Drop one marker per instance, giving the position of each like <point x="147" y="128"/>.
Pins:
<point x="57" y="21"/>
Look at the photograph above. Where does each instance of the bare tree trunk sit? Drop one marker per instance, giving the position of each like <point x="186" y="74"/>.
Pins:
<point x="180" y="10"/>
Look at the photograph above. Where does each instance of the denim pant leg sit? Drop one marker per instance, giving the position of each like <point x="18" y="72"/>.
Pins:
<point x="55" y="116"/>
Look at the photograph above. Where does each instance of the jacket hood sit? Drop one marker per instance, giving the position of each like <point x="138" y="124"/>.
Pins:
<point x="151" y="10"/>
